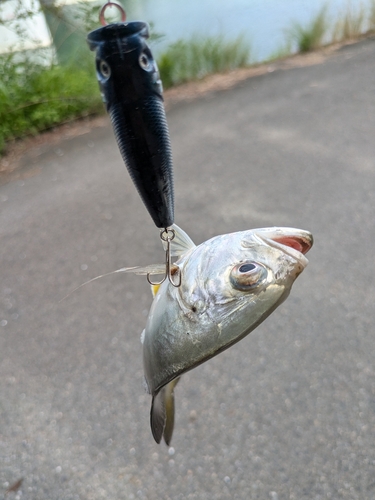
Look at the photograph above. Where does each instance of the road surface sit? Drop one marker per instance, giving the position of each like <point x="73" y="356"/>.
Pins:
<point x="289" y="412"/>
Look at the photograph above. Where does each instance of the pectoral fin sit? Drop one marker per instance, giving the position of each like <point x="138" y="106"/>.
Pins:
<point x="162" y="413"/>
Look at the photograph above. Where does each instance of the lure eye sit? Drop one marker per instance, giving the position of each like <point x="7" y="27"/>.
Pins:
<point x="104" y="69"/>
<point x="145" y="62"/>
<point x="247" y="275"/>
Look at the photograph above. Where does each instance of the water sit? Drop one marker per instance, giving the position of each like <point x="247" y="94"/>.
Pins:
<point x="262" y="22"/>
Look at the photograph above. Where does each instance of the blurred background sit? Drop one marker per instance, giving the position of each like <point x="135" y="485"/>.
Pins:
<point x="43" y="47"/>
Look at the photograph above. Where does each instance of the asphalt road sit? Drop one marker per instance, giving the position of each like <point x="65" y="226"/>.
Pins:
<point x="289" y="412"/>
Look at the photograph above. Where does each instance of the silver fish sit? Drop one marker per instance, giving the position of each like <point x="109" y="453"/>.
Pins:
<point x="230" y="284"/>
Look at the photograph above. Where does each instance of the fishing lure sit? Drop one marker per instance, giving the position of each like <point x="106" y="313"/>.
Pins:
<point x="132" y="91"/>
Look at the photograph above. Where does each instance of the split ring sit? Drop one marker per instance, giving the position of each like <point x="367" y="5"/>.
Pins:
<point x="102" y="20"/>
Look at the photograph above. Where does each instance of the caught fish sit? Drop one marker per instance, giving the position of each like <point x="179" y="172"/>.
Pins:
<point x="230" y="284"/>
<point x="132" y="91"/>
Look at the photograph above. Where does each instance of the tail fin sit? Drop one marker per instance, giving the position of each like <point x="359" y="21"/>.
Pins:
<point x="162" y="413"/>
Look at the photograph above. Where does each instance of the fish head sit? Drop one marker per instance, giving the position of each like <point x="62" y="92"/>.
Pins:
<point x="125" y="67"/>
<point x="230" y="284"/>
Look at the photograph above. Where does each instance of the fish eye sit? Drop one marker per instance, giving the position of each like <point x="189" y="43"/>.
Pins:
<point x="145" y="62"/>
<point x="104" y="69"/>
<point x="247" y="275"/>
<point x="245" y="268"/>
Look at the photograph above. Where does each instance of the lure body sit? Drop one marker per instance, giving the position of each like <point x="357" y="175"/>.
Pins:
<point x="132" y="91"/>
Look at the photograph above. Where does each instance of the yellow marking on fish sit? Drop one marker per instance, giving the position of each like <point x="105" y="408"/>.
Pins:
<point x="155" y="288"/>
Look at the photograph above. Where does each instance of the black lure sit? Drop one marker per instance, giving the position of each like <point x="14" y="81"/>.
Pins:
<point x="132" y="91"/>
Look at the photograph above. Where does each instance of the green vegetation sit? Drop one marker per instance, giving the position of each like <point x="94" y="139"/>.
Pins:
<point x="35" y="95"/>
<point x="187" y="60"/>
<point x="284" y="51"/>
<point x="351" y="24"/>
<point x="309" y="37"/>
<point x="372" y="17"/>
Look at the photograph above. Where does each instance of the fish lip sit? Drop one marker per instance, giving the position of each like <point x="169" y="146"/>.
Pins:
<point x="283" y="238"/>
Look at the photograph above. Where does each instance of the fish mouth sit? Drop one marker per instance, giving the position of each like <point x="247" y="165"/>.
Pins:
<point x="294" y="242"/>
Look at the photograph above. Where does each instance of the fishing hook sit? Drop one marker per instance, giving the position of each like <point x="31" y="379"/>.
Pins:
<point x="102" y="20"/>
<point x="167" y="235"/>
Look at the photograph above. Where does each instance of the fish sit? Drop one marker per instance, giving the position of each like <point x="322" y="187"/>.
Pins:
<point x="132" y="91"/>
<point x="230" y="284"/>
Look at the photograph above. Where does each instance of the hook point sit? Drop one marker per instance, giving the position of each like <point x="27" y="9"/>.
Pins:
<point x="167" y="235"/>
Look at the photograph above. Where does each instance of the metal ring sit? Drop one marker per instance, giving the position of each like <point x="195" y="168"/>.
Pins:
<point x="167" y="234"/>
<point x="102" y="20"/>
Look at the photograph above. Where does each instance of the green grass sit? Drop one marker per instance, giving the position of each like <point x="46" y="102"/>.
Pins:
<point x="193" y="59"/>
<point x="372" y="16"/>
<point x="35" y="98"/>
<point x="310" y="37"/>
<point x="284" y="51"/>
<point x="351" y="23"/>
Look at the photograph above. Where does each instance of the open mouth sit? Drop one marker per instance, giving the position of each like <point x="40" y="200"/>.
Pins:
<point x="294" y="242"/>
<point x="300" y="243"/>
